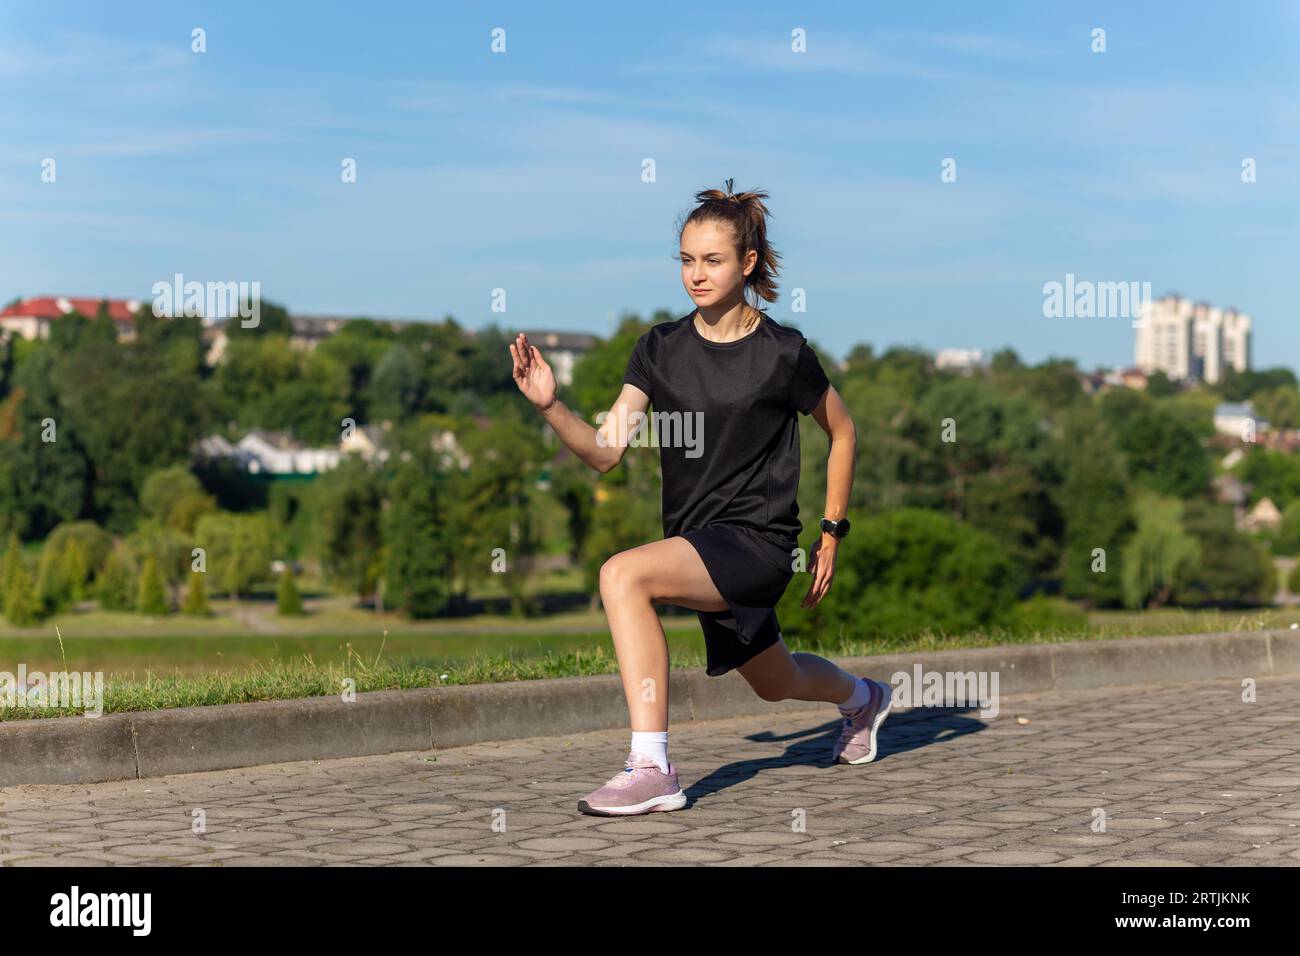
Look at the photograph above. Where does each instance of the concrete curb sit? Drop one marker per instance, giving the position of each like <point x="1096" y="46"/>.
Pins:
<point x="141" y="744"/>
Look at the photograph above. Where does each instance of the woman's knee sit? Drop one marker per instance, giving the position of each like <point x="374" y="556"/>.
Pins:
<point x="619" y="576"/>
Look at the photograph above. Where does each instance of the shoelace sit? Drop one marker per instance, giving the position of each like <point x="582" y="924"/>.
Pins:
<point x="846" y="732"/>
<point x="624" y="776"/>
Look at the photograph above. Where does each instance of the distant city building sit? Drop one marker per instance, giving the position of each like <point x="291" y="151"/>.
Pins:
<point x="32" y="318"/>
<point x="1192" y="342"/>
<point x="276" y="454"/>
<point x="1263" y="515"/>
<point x="960" y="360"/>
<point x="368" y="442"/>
<point x="1103" y="380"/>
<point x="562" y="350"/>
<point x="1233" y="418"/>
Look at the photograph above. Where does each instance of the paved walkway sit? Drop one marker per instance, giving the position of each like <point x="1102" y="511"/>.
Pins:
<point x="1186" y="774"/>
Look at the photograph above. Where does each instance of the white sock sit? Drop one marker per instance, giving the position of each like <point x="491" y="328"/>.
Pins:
<point x="860" y="698"/>
<point x="654" y="744"/>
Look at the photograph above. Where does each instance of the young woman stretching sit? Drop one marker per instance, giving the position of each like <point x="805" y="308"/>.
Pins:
<point x="725" y="381"/>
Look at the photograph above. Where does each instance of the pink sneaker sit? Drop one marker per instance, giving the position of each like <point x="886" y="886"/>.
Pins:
<point x="857" y="742"/>
<point x="641" y="787"/>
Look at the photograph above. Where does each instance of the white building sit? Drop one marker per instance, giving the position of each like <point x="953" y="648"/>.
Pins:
<point x="1237" y="419"/>
<point x="1191" y="342"/>
<point x="562" y="350"/>
<point x="960" y="360"/>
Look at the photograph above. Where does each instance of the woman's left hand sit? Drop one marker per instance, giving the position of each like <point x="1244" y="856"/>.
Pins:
<point x="821" y="565"/>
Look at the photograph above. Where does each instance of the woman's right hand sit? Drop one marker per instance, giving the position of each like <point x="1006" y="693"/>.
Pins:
<point x="532" y="374"/>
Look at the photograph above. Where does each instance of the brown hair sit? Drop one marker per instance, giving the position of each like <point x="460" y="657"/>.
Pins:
<point x="747" y="217"/>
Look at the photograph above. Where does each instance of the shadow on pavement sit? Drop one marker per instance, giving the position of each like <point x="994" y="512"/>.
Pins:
<point x="901" y="732"/>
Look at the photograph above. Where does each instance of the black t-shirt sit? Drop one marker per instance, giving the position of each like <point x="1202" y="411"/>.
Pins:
<point x="724" y="417"/>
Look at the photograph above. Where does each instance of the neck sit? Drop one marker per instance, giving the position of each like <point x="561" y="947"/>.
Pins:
<point x="725" y="323"/>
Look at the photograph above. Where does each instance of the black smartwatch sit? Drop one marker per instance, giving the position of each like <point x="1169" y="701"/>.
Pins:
<point x="837" y="529"/>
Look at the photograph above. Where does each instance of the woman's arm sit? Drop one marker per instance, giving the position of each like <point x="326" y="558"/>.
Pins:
<point x="601" y="448"/>
<point x="832" y="415"/>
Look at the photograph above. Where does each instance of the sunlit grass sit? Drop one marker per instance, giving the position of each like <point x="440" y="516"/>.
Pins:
<point x="151" y="673"/>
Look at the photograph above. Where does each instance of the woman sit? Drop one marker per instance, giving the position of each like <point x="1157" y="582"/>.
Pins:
<point x="726" y="382"/>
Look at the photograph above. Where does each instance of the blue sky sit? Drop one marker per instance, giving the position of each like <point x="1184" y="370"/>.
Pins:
<point x="522" y="170"/>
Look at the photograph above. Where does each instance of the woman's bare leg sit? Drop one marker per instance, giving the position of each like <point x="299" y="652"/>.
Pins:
<point x="670" y="571"/>
<point x="776" y="674"/>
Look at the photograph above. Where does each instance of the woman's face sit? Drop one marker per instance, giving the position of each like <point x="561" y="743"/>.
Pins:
<point x="711" y="272"/>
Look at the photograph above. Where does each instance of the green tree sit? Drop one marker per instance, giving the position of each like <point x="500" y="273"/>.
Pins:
<point x="76" y="568"/>
<point x="237" y="549"/>
<point x="1280" y="406"/>
<point x="114" y="586"/>
<point x="1232" y="568"/>
<point x="1159" y="385"/>
<point x="1288" y="540"/>
<point x="397" y="390"/>
<point x="1271" y="474"/>
<point x="995" y="452"/>
<point x="288" y="601"/>
<point x="1094" y="500"/>
<point x="174" y="497"/>
<point x="21" y="608"/>
<point x="53" y="590"/>
<point x="90" y="539"/>
<point x="905" y="573"/>
<point x="1160" y="553"/>
<point x="488" y="510"/>
<point x="196" y="597"/>
<point x="1164" y="453"/>
<point x="346" y="501"/>
<point x="419" y="559"/>
<point x="1239" y="386"/>
<point x="153" y="596"/>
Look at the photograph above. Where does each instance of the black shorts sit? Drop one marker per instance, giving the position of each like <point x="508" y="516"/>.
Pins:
<point x="751" y="573"/>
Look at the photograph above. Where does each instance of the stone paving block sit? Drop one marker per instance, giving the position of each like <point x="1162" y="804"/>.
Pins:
<point x="940" y="794"/>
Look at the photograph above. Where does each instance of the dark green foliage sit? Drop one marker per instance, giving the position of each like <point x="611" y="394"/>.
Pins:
<point x="1164" y="453"/>
<point x="153" y="596"/>
<point x="417" y="548"/>
<point x="905" y="573"/>
<point x="1094" y="500"/>
<point x="115" y="584"/>
<point x="1232" y="569"/>
<point x="288" y="601"/>
<point x="1271" y="474"/>
<point x="196" y="597"/>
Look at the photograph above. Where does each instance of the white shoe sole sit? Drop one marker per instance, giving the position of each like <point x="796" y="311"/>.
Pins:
<point x="672" y="801"/>
<point x="875" y="725"/>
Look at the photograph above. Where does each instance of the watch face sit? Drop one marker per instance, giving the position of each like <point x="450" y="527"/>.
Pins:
<point x="844" y="527"/>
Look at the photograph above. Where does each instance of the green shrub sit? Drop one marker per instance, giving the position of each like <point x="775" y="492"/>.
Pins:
<point x="153" y="593"/>
<point x="287" y="599"/>
<point x="21" y="607"/>
<point x="196" y="597"/>
<point x="1043" y="615"/>
<point x="905" y="573"/>
<point x="114" y="585"/>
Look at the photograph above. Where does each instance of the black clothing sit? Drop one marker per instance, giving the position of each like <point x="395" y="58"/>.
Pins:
<point x="728" y="435"/>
